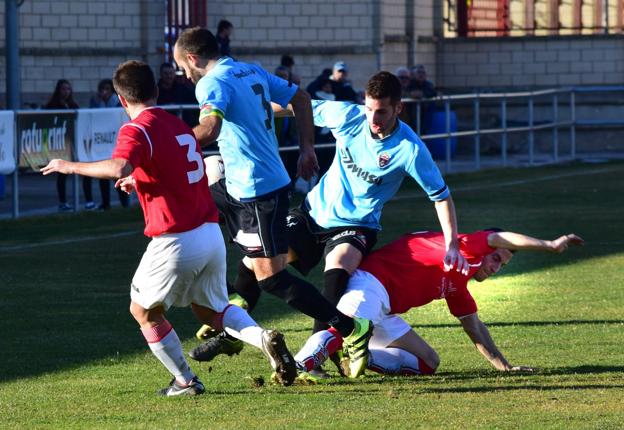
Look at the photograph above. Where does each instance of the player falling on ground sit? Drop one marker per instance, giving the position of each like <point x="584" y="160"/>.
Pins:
<point x="408" y="273"/>
<point x="157" y="156"/>
<point x="235" y="108"/>
<point x="340" y="217"/>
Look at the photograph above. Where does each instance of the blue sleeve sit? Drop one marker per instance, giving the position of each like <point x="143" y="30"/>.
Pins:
<point x="212" y="92"/>
<point x="423" y="169"/>
<point x="281" y="91"/>
<point x="336" y="115"/>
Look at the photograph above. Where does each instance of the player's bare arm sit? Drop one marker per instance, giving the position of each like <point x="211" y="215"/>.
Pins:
<point x="280" y="112"/>
<point x="445" y="210"/>
<point x="307" y="165"/>
<point x="106" y="169"/>
<point x="480" y="336"/>
<point x="208" y="129"/>
<point x="517" y="241"/>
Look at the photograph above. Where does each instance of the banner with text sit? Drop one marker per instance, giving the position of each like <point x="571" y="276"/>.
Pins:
<point x="7" y="143"/>
<point x="96" y="132"/>
<point x="44" y="136"/>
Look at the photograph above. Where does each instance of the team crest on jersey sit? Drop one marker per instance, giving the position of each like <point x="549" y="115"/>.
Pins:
<point x="383" y="160"/>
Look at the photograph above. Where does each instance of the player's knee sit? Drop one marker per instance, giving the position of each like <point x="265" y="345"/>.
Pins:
<point x="215" y="169"/>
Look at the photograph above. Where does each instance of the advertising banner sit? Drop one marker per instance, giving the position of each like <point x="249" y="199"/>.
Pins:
<point x="96" y="132"/>
<point x="44" y="136"/>
<point x="7" y="143"/>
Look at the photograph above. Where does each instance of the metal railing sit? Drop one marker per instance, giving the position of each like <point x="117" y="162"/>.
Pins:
<point x="476" y="130"/>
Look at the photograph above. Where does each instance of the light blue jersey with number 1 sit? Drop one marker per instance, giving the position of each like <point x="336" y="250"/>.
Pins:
<point x="367" y="172"/>
<point x="242" y="94"/>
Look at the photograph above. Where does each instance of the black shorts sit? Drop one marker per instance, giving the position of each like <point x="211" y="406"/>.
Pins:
<point x="311" y="242"/>
<point x="258" y="227"/>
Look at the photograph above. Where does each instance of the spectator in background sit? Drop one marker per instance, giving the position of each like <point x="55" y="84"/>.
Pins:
<point x="341" y="86"/>
<point x="408" y="114"/>
<point x="224" y="31"/>
<point x="419" y="86"/>
<point x="315" y="85"/>
<point x="107" y="98"/>
<point x="286" y="129"/>
<point x="173" y="90"/>
<point x="63" y="98"/>
<point x="287" y="61"/>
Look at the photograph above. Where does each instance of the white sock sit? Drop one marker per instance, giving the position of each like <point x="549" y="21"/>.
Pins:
<point x="239" y="324"/>
<point x="393" y="361"/>
<point x="314" y="352"/>
<point x="168" y="350"/>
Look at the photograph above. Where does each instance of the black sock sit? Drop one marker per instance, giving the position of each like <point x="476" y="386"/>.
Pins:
<point x="336" y="281"/>
<point x="246" y="286"/>
<point x="302" y="296"/>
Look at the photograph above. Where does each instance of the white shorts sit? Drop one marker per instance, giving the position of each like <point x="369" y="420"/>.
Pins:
<point x="178" y="269"/>
<point x="367" y="298"/>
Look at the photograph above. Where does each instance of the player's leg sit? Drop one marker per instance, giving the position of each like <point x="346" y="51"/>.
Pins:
<point x="366" y="300"/>
<point x="345" y="249"/>
<point x="396" y="349"/>
<point x="164" y="343"/>
<point x="208" y="292"/>
<point x="165" y="271"/>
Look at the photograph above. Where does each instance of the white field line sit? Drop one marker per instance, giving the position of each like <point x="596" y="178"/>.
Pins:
<point x="517" y="182"/>
<point x="402" y="197"/>
<point x="69" y="241"/>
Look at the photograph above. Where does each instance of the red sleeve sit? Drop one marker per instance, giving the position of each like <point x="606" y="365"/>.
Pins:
<point x="475" y="244"/>
<point x="132" y="145"/>
<point x="461" y="303"/>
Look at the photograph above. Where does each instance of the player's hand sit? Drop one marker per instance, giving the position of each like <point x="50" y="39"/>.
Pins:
<point x="307" y="165"/>
<point x="561" y="244"/>
<point x="453" y="260"/>
<point x="127" y="184"/>
<point x="60" y="166"/>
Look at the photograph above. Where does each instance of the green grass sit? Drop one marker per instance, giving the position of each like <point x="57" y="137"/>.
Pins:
<point x="72" y="357"/>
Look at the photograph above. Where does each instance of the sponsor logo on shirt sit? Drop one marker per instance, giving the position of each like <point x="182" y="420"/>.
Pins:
<point x="383" y="160"/>
<point x="244" y="73"/>
<point x="291" y="221"/>
<point x="349" y="164"/>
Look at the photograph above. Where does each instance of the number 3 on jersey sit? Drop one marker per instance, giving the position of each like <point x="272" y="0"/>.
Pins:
<point x="192" y="156"/>
<point x="259" y="91"/>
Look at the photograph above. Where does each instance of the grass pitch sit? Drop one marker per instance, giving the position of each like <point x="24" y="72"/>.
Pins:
<point x="72" y="357"/>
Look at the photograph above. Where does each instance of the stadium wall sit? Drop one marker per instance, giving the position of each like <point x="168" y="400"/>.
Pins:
<point x="82" y="41"/>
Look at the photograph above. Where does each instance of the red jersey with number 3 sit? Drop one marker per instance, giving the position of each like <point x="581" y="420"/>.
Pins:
<point x="412" y="271"/>
<point x="169" y="171"/>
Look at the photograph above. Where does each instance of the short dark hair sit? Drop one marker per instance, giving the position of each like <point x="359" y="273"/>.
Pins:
<point x="224" y="24"/>
<point x="105" y="83"/>
<point x="287" y="60"/>
<point x="384" y="84"/>
<point x="135" y="82"/>
<point x="198" y="41"/>
<point x="166" y="65"/>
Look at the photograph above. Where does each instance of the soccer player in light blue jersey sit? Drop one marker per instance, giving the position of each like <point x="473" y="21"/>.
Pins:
<point x="235" y="109"/>
<point x="375" y="151"/>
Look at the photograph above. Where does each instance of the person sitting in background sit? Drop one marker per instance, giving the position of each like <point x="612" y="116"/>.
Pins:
<point x="341" y="86"/>
<point x="172" y="91"/>
<point x="63" y="98"/>
<point x="107" y="98"/>
<point x="408" y="115"/>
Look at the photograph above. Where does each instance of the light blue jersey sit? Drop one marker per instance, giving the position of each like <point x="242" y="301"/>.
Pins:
<point x="242" y="94"/>
<point x="367" y="172"/>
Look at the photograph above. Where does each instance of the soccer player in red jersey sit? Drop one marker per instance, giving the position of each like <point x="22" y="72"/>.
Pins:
<point x="157" y="156"/>
<point x="409" y="273"/>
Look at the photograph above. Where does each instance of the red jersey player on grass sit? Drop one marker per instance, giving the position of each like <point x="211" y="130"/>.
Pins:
<point x="184" y="263"/>
<point x="409" y="273"/>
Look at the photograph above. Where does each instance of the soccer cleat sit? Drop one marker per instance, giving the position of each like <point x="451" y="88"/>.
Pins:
<point x="221" y="344"/>
<point x="237" y="300"/>
<point x="193" y="388"/>
<point x="90" y="206"/>
<point x="356" y="347"/>
<point x="274" y="347"/>
<point x="64" y="207"/>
